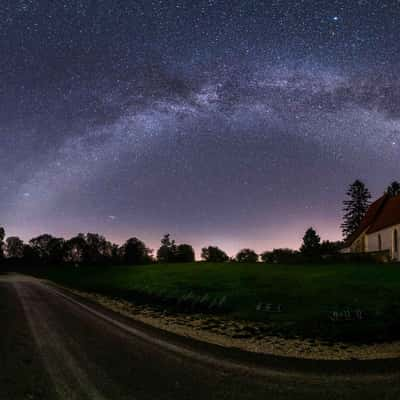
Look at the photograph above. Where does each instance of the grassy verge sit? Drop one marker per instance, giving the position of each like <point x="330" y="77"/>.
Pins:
<point x="358" y="303"/>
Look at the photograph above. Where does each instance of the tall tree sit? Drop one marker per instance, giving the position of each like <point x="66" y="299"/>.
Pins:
<point x="247" y="256"/>
<point x="98" y="249"/>
<point x="184" y="253"/>
<point x="167" y="250"/>
<point x="56" y="251"/>
<point x="135" y="252"/>
<point x="75" y="249"/>
<point x="393" y="189"/>
<point x="213" y="254"/>
<point x="41" y="245"/>
<point x="311" y="243"/>
<point x="15" y="247"/>
<point x="355" y="207"/>
<point x="2" y="236"/>
<point x="48" y="248"/>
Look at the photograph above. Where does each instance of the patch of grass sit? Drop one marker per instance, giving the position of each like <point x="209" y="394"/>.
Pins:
<point x="358" y="303"/>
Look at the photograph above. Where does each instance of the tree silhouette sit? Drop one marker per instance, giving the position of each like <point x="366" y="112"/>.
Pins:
<point x="97" y="250"/>
<point x="393" y="189"/>
<point x="311" y="243"/>
<point x="213" y="254"/>
<point x="279" y="256"/>
<point x="135" y="252"/>
<point x="184" y="253"/>
<point x="330" y="248"/>
<point x="75" y="249"/>
<point x="15" y="247"/>
<point x="56" y="251"/>
<point x="48" y="249"/>
<point x="30" y="256"/>
<point x="167" y="251"/>
<point x="355" y="207"/>
<point x="247" y="256"/>
<point x="2" y="236"/>
<point x="41" y="245"/>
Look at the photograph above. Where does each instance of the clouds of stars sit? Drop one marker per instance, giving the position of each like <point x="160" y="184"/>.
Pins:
<point x="221" y="122"/>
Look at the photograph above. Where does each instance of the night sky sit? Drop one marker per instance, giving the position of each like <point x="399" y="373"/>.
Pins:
<point x="231" y="123"/>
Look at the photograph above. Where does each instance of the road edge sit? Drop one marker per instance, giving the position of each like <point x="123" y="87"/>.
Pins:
<point x="227" y="357"/>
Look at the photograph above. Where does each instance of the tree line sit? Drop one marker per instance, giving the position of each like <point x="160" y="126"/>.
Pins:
<point x="95" y="249"/>
<point x="89" y="249"/>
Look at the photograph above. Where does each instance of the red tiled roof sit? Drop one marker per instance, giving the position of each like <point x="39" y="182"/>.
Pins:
<point x="370" y="218"/>
<point x="388" y="216"/>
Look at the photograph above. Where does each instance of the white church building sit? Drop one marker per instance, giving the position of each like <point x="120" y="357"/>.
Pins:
<point x="379" y="230"/>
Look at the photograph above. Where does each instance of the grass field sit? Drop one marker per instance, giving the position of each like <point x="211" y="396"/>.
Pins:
<point x="334" y="302"/>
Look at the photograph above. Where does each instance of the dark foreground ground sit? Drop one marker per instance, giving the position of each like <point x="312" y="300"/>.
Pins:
<point x="355" y="303"/>
<point x="53" y="346"/>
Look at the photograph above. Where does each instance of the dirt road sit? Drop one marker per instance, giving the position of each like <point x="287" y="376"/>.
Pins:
<point x="56" y="346"/>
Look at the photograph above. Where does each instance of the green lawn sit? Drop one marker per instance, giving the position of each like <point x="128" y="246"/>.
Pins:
<point x="346" y="302"/>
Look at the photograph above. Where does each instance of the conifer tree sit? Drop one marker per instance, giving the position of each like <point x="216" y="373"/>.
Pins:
<point x="393" y="189"/>
<point x="355" y="207"/>
<point x="311" y="243"/>
<point x="2" y="236"/>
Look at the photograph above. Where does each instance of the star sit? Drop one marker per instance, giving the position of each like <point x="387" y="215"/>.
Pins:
<point x="210" y="119"/>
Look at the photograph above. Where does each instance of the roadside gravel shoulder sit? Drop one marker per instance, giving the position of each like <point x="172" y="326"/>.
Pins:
<point x="242" y="335"/>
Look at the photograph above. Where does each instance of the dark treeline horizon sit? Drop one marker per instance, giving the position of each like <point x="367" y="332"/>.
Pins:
<point x="95" y="249"/>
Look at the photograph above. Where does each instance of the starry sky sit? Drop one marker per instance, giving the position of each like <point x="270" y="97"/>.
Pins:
<point x="233" y="123"/>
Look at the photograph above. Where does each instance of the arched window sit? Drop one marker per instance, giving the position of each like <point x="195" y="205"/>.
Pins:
<point x="395" y="241"/>
<point x="379" y="242"/>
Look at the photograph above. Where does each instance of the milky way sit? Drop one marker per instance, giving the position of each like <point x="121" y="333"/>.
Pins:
<point x="231" y="123"/>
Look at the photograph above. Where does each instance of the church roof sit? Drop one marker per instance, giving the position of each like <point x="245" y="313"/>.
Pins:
<point x="388" y="215"/>
<point x="370" y="217"/>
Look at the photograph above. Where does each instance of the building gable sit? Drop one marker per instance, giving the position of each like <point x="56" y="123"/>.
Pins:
<point x="389" y="215"/>
<point x="371" y="216"/>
